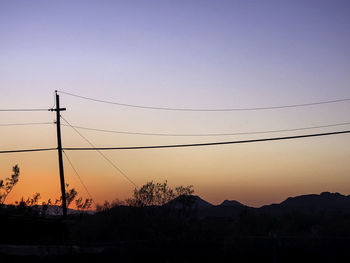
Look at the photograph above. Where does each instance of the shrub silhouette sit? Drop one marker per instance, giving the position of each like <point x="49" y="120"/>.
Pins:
<point x="156" y="194"/>
<point x="10" y="182"/>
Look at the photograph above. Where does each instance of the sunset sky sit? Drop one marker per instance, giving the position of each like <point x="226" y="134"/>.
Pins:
<point x="179" y="54"/>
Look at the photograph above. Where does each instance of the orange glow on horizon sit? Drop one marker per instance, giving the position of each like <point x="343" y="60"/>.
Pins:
<point x="255" y="174"/>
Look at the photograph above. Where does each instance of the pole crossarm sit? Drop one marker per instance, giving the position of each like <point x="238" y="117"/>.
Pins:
<point x="59" y="109"/>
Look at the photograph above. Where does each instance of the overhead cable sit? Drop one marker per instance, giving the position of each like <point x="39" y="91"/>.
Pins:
<point x="25" y="123"/>
<point x="207" y="109"/>
<point x="207" y="144"/>
<point x="29" y="150"/>
<point x="208" y="134"/>
<point x="104" y="156"/>
<point x="77" y="174"/>
<point x="24" y="109"/>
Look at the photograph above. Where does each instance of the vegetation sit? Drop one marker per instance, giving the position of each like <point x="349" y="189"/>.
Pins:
<point x="9" y="183"/>
<point x="164" y="233"/>
<point x="157" y="194"/>
<point x="150" y="194"/>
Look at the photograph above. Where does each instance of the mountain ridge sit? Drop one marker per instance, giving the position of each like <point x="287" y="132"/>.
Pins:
<point x="309" y="203"/>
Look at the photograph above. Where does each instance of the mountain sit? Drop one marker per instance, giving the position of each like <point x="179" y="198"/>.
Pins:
<point x="228" y="208"/>
<point x="192" y="201"/>
<point x="230" y="203"/>
<point x="325" y="201"/>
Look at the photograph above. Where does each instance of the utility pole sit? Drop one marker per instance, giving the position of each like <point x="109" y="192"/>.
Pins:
<point x="59" y="149"/>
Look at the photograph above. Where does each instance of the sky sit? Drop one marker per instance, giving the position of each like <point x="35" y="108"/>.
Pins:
<point x="184" y="54"/>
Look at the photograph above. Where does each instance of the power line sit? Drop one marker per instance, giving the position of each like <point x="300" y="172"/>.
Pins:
<point x="29" y="150"/>
<point x="76" y="172"/>
<point x="206" y="144"/>
<point x="24" y="109"/>
<point x="24" y="124"/>
<point x="104" y="156"/>
<point x="215" y="109"/>
<point x="209" y="134"/>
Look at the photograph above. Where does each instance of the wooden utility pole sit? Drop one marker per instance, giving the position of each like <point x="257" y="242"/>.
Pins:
<point x="59" y="149"/>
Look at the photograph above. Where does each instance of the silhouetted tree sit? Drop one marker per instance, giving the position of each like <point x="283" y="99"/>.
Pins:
<point x="83" y="205"/>
<point x="157" y="194"/>
<point x="7" y="186"/>
<point x="71" y="195"/>
<point x="108" y="205"/>
<point x="29" y="201"/>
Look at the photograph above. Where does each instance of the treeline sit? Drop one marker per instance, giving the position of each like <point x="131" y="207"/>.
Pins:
<point x="32" y="205"/>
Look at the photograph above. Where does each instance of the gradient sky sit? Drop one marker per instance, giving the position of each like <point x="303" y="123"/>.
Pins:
<point x="205" y="54"/>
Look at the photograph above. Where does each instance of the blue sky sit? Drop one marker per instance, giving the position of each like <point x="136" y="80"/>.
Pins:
<point x="293" y="49"/>
<point x="178" y="54"/>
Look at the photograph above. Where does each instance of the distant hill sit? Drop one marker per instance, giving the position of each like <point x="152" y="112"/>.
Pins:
<point x="325" y="201"/>
<point x="228" y="208"/>
<point x="205" y="209"/>
<point x="192" y="201"/>
<point x="311" y="203"/>
<point x="230" y="203"/>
